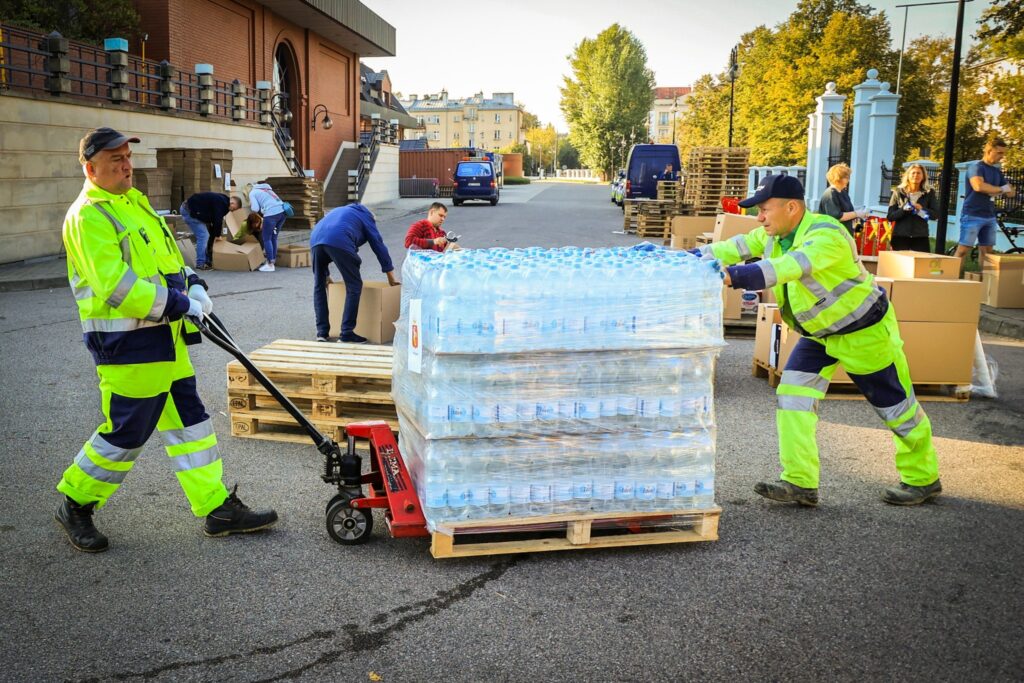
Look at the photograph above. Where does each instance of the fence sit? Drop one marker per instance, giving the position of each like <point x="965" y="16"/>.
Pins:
<point x="51" y="64"/>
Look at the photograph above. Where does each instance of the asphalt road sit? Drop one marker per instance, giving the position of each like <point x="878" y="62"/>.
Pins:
<point x="853" y="590"/>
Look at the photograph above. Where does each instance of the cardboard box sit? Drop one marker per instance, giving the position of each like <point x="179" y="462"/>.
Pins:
<point x="950" y="301"/>
<point x="886" y="284"/>
<point x="939" y="353"/>
<point x="1004" y="280"/>
<point x="730" y="224"/>
<point x="188" y="250"/>
<point x="378" y="309"/>
<point x="972" y="276"/>
<point x="293" y="256"/>
<point x="686" y="229"/>
<point x="233" y="221"/>
<point x="239" y="257"/>
<point x="767" y="315"/>
<point x="732" y="303"/>
<point x="870" y="264"/>
<point x="908" y="265"/>
<point x="704" y="238"/>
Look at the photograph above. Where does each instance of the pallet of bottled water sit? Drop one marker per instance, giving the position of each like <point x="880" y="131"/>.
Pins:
<point x="481" y="301"/>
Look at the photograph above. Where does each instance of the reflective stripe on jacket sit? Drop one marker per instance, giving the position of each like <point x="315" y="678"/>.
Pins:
<point x="126" y="274"/>
<point x="820" y="277"/>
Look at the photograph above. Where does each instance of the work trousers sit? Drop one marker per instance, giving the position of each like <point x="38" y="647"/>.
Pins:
<point x="348" y="264"/>
<point x="202" y="233"/>
<point x="874" y="359"/>
<point x="136" y="399"/>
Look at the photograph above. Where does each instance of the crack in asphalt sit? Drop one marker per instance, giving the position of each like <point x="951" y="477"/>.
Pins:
<point x="358" y="640"/>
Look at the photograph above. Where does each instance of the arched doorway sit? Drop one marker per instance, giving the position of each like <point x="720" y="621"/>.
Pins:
<point x="286" y="89"/>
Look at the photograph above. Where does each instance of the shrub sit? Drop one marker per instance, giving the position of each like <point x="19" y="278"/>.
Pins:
<point x="517" y="180"/>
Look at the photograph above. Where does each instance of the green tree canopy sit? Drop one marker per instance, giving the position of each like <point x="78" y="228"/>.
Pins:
<point x="1001" y="70"/>
<point x="608" y="96"/>
<point x="86" y="20"/>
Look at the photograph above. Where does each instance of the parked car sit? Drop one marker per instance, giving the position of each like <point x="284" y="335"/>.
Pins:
<point x="619" y="187"/>
<point x="644" y="168"/>
<point x="475" y="180"/>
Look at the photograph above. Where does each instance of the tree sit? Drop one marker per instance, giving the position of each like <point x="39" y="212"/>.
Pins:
<point x="86" y="20"/>
<point x="541" y="142"/>
<point x="568" y="155"/>
<point x="1002" y="71"/>
<point x="530" y="119"/>
<point x="608" y="97"/>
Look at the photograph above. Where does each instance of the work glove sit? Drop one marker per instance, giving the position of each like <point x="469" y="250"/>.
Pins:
<point x="863" y="212"/>
<point x="195" y="309"/>
<point x="1006" y="188"/>
<point x="198" y="293"/>
<point x="716" y="266"/>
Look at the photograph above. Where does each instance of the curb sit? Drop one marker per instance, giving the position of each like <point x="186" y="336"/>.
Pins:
<point x="56" y="282"/>
<point x="1004" y="326"/>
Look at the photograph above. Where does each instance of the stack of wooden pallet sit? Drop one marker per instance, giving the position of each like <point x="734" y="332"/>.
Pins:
<point x="332" y="384"/>
<point x="629" y="216"/>
<point x="713" y="173"/>
<point x="654" y="217"/>
<point x="194" y="170"/>
<point x="306" y="195"/>
<point x="670" y="190"/>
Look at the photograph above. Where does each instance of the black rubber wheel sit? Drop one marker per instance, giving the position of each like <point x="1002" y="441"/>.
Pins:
<point x="494" y="202"/>
<point x="347" y="525"/>
<point x="335" y="499"/>
<point x="456" y="202"/>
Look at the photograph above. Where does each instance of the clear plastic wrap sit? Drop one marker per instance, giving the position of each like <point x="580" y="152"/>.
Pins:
<point x="555" y="393"/>
<point x="466" y="479"/>
<point x="515" y="300"/>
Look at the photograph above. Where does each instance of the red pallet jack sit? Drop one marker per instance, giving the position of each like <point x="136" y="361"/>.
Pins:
<point x="388" y="485"/>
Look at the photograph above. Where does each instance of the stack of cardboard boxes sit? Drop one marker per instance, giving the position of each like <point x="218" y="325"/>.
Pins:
<point x="194" y="170"/>
<point x="155" y="183"/>
<point x="936" y="312"/>
<point x="1002" y="279"/>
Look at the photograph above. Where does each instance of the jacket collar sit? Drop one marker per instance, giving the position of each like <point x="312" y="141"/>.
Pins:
<point x="95" y="193"/>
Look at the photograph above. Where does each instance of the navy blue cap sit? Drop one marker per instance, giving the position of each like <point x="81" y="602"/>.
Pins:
<point x="100" y="139"/>
<point x="775" y="186"/>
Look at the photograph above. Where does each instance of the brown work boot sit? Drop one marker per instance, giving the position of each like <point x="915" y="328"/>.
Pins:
<point x="784" y="492"/>
<point x="905" y="494"/>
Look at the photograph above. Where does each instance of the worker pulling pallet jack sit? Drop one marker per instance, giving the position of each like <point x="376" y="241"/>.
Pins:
<point x="824" y="293"/>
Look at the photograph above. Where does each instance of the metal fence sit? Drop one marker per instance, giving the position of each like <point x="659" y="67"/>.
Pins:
<point x="30" y="62"/>
<point x="1013" y="207"/>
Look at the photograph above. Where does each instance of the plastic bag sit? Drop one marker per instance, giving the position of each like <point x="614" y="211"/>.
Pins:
<point x="986" y="369"/>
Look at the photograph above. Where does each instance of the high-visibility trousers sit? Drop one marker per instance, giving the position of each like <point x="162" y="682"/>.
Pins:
<point x="135" y="400"/>
<point x="873" y="358"/>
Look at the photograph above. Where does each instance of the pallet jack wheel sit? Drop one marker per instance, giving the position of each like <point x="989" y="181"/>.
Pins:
<point x="348" y="525"/>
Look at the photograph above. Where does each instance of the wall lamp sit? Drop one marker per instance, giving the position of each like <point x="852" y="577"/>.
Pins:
<point x="279" y="105"/>
<point x="327" y="122"/>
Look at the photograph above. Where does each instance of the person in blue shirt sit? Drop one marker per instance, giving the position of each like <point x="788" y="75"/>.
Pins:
<point x="337" y="238"/>
<point x="985" y="182"/>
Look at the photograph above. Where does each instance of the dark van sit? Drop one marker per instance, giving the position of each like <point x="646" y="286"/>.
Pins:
<point x="475" y="180"/>
<point x="645" y="167"/>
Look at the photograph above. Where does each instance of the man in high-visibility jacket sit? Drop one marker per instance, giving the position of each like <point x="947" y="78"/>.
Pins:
<point x="825" y="294"/>
<point x="133" y="293"/>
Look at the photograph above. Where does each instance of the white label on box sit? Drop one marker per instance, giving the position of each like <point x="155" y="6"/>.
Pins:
<point x="216" y="171"/>
<point x="227" y="182"/>
<point x="415" y="330"/>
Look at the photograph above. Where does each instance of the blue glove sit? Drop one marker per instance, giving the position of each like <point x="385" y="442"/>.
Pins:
<point x="716" y="265"/>
<point x="696" y="252"/>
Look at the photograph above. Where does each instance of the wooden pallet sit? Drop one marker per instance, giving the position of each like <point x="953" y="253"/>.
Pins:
<point x="332" y="384"/>
<point x="847" y="391"/>
<point x="572" y="532"/>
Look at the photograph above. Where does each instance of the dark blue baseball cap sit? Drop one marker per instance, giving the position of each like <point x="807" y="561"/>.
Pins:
<point x="100" y="139"/>
<point x="777" y="187"/>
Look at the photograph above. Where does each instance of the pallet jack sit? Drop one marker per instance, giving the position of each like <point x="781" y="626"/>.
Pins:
<point x="349" y="515"/>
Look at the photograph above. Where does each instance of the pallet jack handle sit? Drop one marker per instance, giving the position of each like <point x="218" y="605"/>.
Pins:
<point x="213" y="329"/>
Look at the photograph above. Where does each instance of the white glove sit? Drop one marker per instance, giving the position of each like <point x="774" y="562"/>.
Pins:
<point x="1006" y="188"/>
<point x="198" y="293"/>
<point x="862" y="213"/>
<point x="195" y="308"/>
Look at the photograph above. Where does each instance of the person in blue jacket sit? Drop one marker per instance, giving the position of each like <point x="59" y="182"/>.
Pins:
<point x="337" y="238"/>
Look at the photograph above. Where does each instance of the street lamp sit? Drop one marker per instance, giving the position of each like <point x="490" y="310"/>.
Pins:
<point x="327" y="122"/>
<point x="674" y="104"/>
<point x="734" y="69"/>
<point x="279" y="105"/>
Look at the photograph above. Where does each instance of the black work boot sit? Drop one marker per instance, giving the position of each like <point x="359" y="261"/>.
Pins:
<point x="77" y="522"/>
<point x="905" y="494"/>
<point x="235" y="517"/>
<point x="784" y="492"/>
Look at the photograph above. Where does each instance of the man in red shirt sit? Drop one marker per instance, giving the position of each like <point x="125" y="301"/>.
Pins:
<point x="427" y="233"/>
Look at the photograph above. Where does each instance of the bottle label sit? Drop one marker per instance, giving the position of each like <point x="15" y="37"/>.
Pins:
<point x="588" y="409"/>
<point x="609" y="406"/>
<point x="649" y="407"/>
<point x="520" y="494"/>
<point x="623" y="490"/>
<point x="457" y="497"/>
<point x="646" y="490"/>
<point x="627" y="405"/>
<point x="562" y="490"/>
<point x="665" y="490"/>
<point x="437" y="497"/>
<point x="604" y="490"/>
<point x="484" y="413"/>
<point x="526" y="411"/>
<point x="506" y="412"/>
<point x="500" y="495"/>
<point x="547" y="410"/>
<point x="479" y="495"/>
<point x="566" y="409"/>
<point x="437" y="413"/>
<point x="669" y="406"/>
<point x="540" y="493"/>
<point x="582" y="490"/>
<point x="460" y="412"/>
<point x="705" y="486"/>
<point x="684" y="489"/>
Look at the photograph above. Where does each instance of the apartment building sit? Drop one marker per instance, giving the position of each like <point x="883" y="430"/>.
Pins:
<point x="669" y="105"/>
<point x="484" y="122"/>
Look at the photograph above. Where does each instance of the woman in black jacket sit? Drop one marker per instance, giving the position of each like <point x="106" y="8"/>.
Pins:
<point x="836" y="200"/>
<point x="911" y="206"/>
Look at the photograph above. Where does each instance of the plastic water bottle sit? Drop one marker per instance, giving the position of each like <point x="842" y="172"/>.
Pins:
<point x="519" y="491"/>
<point x="478" y="488"/>
<point x="436" y="493"/>
<point x="561" y="481"/>
<point x="499" y="481"/>
<point x="456" y="484"/>
<point x="625" y="479"/>
<point x="540" y="484"/>
<point x="582" y="474"/>
<point x="645" y="487"/>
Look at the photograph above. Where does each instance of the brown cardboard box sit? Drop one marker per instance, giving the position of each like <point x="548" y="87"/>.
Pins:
<point x="1004" y="280"/>
<point x="886" y="284"/>
<point x="233" y="221"/>
<point x="972" y="276"/>
<point x="907" y="265"/>
<point x="730" y="224"/>
<point x="732" y="303"/>
<point x="870" y="264"/>
<point x="240" y="257"/>
<point x="293" y="256"/>
<point x="939" y="353"/>
<point x="704" y="238"/>
<point x="188" y="250"/>
<point x="767" y="315"/>
<point x="950" y="301"/>
<point x="378" y="309"/>
<point x="678" y="242"/>
<point x="685" y="229"/>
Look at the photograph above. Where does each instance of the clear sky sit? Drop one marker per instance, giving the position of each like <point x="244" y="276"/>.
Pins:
<point x="521" y="46"/>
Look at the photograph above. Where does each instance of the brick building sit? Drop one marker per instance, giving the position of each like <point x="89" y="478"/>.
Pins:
<point x="309" y="51"/>
<point x="669" y="105"/>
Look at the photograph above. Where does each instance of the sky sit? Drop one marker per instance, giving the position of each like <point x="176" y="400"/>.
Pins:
<point x="521" y="46"/>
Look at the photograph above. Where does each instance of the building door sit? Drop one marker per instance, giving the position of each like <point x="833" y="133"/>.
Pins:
<point x="286" y="85"/>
